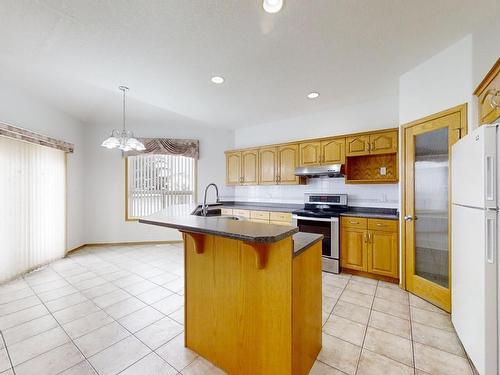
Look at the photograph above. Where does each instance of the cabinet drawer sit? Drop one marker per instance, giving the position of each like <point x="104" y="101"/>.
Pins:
<point x="226" y="211"/>
<point x="244" y="213"/>
<point x="260" y="221"/>
<point x="381" y="224"/>
<point x="280" y="216"/>
<point x="354" y="222"/>
<point x="280" y="222"/>
<point x="261" y="215"/>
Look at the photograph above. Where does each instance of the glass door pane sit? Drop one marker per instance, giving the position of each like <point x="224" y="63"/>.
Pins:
<point x="431" y="206"/>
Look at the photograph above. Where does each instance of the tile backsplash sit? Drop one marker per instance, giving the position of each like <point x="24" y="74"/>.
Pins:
<point x="376" y="195"/>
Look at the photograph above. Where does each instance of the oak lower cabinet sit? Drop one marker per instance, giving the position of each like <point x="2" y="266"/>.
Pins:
<point x="370" y="246"/>
<point x="354" y="249"/>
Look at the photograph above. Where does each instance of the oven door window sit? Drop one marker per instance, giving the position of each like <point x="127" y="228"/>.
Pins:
<point x="319" y="227"/>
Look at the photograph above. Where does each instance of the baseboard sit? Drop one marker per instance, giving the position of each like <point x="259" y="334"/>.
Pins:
<point x="102" y="244"/>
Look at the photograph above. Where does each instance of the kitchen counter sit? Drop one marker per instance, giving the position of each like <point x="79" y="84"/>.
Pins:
<point x="218" y="225"/>
<point x="372" y="213"/>
<point x="263" y="206"/>
<point x="252" y="287"/>
<point x="302" y="241"/>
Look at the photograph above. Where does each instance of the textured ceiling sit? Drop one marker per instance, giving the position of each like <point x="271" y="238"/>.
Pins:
<point x="74" y="53"/>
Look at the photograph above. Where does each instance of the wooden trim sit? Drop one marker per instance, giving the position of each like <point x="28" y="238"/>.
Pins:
<point x="495" y="69"/>
<point x="103" y="244"/>
<point x="198" y="240"/>
<point x="261" y="251"/>
<point x="462" y="110"/>
<point x="14" y="132"/>
<point x="313" y="139"/>
<point x="370" y="275"/>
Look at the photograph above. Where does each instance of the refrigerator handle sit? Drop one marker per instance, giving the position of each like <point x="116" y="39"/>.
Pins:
<point x="490" y="178"/>
<point x="491" y="239"/>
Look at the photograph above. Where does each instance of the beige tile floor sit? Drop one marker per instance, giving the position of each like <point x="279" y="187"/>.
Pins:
<point x="120" y="310"/>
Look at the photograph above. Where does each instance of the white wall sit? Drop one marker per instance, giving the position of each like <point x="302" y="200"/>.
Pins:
<point x="105" y="173"/>
<point x="377" y="114"/>
<point x="442" y="82"/>
<point x="23" y="110"/>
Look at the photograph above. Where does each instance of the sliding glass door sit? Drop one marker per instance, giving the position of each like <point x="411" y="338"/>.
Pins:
<point x="32" y="206"/>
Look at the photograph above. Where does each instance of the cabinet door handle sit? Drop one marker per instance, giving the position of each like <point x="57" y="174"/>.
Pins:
<point x="373" y="146"/>
<point x="380" y="225"/>
<point x="368" y="146"/>
<point x="369" y="237"/>
<point x="353" y="222"/>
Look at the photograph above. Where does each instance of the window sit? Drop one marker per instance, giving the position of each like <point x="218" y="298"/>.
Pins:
<point x="155" y="182"/>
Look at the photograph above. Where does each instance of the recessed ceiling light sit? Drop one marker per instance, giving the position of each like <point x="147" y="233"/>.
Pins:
<point x="217" y="79"/>
<point x="313" y="95"/>
<point x="272" y="6"/>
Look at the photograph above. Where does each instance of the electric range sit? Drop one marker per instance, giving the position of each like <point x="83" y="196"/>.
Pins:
<point x="321" y="214"/>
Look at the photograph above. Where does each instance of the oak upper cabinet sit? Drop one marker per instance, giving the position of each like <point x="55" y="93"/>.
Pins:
<point x="328" y="151"/>
<point x="333" y="151"/>
<point x="370" y="245"/>
<point x="288" y="161"/>
<point x="353" y="245"/>
<point x="233" y="168"/>
<point x="358" y="145"/>
<point x="488" y="94"/>
<point x="384" y="142"/>
<point x="310" y="153"/>
<point x="250" y="167"/>
<point x="268" y="165"/>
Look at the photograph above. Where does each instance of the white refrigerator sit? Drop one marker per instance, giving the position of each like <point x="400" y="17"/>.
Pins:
<point x="475" y="189"/>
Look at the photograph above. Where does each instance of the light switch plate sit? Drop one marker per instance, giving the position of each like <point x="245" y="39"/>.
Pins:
<point x="383" y="171"/>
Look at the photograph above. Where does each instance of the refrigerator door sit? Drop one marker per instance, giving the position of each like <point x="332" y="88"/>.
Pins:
<point x="474" y="274"/>
<point x="473" y="169"/>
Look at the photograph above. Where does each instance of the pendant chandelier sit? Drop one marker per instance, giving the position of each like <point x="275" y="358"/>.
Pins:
<point x="123" y="139"/>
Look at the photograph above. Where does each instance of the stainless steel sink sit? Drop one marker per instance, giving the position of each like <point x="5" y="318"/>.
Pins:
<point x="227" y="217"/>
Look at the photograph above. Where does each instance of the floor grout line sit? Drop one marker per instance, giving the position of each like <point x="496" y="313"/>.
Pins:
<point x="8" y="354"/>
<point x="90" y="261"/>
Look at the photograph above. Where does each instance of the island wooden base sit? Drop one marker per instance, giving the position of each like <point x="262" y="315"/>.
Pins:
<point x="252" y="309"/>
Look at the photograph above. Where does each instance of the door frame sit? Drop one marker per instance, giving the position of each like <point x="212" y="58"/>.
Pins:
<point x="460" y="109"/>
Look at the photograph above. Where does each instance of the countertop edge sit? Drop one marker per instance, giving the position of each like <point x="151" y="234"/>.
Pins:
<point x="242" y="237"/>
<point x="370" y="215"/>
<point x="299" y="248"/>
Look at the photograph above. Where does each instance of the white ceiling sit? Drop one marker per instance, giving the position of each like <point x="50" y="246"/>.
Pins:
<point x="74" y="53"/>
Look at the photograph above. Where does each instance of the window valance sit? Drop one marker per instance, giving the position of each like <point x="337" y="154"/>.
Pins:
<point x="168" y="146"/>
<point x="21" y="134"/>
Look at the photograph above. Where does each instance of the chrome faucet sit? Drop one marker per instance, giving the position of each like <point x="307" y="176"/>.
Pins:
<point x="204" y="210"/>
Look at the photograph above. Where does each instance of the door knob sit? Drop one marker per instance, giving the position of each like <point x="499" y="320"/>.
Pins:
<point x="410" y="218"/>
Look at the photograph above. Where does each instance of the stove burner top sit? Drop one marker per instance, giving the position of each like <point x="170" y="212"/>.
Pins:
<point x="320" y="213"/>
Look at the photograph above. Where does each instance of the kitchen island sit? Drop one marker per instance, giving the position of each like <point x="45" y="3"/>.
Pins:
<point x="252" y="293"/>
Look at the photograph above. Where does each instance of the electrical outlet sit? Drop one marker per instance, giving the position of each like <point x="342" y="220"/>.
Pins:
<point x="383" y="171"/>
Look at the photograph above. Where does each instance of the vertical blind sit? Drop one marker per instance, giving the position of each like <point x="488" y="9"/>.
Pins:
<point x="32" y="206"/>
<point x="156" y="182"/>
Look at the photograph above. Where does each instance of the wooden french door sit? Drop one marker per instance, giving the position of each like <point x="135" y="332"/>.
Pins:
<point x="426" y="206"/>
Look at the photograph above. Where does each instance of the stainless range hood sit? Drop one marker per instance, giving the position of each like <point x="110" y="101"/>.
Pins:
<point x="333" y="170"/>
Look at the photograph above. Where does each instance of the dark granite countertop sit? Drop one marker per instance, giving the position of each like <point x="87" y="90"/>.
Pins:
<point x="302" y="241"/>
<point x="238" y="229"/>
<point x="263" y="206"/>
<point x="373" y="213"/>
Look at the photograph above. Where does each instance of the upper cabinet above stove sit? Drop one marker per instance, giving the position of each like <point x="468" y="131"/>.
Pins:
<point x="369" y="157"/>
